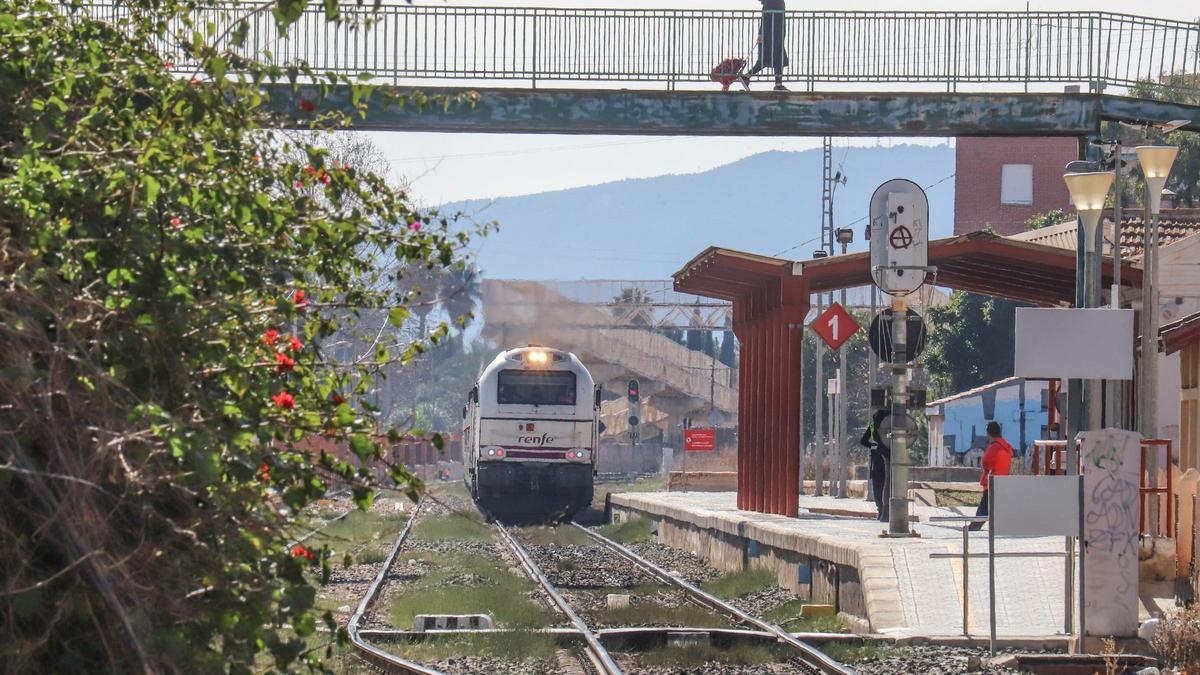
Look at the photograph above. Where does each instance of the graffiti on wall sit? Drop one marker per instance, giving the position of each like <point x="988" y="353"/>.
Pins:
<point x="1110" y="531"/>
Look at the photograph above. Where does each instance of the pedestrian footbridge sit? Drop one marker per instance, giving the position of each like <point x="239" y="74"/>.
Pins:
<point x="647" y="71"/>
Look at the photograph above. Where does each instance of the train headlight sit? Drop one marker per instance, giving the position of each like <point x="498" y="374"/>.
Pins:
<point x="537" y="358"/>
<point x="493" y="453"/>
<point x="577" y="455"/>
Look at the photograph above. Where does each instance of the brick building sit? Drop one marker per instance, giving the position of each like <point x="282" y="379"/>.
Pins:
<point x="1003" y="182"/>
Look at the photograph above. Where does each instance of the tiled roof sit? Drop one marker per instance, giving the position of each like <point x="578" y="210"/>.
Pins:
<point x="1174" y="224"/>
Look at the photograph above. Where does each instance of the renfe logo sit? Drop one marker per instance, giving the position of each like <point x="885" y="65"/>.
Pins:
<point x="544" y="439"/>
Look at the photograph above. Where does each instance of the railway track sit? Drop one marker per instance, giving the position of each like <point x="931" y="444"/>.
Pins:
<point x="810" y="655"/>
<point x="582" y="624"/>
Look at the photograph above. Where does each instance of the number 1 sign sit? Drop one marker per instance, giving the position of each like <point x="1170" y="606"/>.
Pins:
<point x="835" y="326"/>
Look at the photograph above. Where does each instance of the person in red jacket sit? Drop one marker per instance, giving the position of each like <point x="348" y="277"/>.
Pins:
<point x="997" y="461"/>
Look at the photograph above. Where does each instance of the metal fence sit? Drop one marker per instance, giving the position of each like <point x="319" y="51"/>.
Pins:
<point x="542" y="45"/>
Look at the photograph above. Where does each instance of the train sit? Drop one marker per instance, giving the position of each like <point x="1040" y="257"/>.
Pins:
<point x="530" y="431"/>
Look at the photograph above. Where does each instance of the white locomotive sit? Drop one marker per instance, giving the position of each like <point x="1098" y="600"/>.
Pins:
<point x="529" y="435"/>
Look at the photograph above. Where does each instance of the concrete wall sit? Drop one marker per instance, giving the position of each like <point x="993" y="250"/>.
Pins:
<point x="644" y="458"/>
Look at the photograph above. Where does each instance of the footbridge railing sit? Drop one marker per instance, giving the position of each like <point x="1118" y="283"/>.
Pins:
<point x="504" y="46"/>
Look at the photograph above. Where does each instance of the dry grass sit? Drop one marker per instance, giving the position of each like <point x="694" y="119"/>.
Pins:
<point x="736" y="584"/>
<point x="500" y="593"/>
<point x="1177" y="642"/>
<point x="629" y="531"/>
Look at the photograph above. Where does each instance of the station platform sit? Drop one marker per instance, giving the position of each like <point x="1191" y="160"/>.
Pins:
<point x="833" y="553"/>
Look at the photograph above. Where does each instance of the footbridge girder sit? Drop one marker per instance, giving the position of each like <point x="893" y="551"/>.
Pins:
<point x="715" y="113"/>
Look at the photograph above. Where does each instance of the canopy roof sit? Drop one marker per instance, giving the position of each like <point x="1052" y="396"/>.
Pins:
<point x="980" y="262"/>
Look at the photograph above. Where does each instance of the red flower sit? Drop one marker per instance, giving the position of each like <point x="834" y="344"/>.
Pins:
<point x="284" y="363"/>
<point x="299" y="184"/>
<point x="284" y="400"/>
<point x="310" y="171"/>
<point x="337" y="399"/>
<point x="294" y="343"/>
<point x="168" y="65"/>
<point x="307" y="105"/>
<point x="176" y="222"/>
<point x="414" y="226"/>
<point x="300" y="300"/>
<point x="270" y="337"/>
<point x="298" y="550"/>
<point x="195" y="80"/>
<point x="325" y="179"/>
<point x="264" y="473"/>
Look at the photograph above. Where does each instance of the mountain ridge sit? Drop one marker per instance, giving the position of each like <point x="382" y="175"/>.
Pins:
<point x="646" y="228"/>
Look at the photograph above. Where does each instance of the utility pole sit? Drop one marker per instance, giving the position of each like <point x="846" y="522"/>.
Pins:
<point x="820" y="447"/>
<point x="845" y="235"/>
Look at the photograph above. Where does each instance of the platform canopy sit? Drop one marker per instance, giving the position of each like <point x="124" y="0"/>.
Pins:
<point x="771" y="300"/>
<point x="980" y="262"/>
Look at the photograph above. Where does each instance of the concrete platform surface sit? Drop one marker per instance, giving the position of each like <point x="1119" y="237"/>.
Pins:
<point x="905" y="592"/>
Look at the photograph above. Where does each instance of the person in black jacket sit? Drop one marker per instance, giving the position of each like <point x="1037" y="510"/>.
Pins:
<point x="881" y="454"/>
<point x="771" y="31"/>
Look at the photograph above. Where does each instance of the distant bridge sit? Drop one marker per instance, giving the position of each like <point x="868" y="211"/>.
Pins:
<point x="675" y="381"/>
<point x="927" y="73"/>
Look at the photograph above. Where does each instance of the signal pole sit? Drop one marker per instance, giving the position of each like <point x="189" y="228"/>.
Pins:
<point x="635" y="408"/>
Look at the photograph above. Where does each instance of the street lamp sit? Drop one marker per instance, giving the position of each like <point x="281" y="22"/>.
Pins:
<point x="1088" y="191"/>
<point x="1156" y="161"/>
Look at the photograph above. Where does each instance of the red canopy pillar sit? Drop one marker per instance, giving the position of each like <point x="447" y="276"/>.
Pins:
<point x="769" y="324"/>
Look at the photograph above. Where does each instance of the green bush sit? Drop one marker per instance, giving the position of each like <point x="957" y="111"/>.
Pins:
<point x="173" y="267"/>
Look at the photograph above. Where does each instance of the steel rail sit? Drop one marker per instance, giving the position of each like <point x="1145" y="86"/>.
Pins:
<point x="809" y="654"/>
<point x="600" y="656"/>
<point x="367" y="651"/>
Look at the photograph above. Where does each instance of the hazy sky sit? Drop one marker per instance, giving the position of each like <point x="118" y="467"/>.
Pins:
<point x="448" y="167"/>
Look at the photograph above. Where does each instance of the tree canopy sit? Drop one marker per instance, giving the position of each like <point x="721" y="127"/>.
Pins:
<point x="971" y="343"/>
<point x="173" y="266"/>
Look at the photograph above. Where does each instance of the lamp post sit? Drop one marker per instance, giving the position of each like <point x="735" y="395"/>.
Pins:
<point x="1088" y="192"/>
<point x="1156" y="164"/>
<point x="845" y="237"/>
<point x="1156" y="161"/>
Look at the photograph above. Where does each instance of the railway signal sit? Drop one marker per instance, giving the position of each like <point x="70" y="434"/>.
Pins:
<point x="632" y="392"/>
<point x="835" y="326"/>
<point x="899" y="219"/>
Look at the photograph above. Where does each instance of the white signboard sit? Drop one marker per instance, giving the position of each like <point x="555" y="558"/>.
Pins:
<point x="899" y="236"/>
<point x="1110" y="531"/>
<point x="1089" y="344"/>
<point x="1036" y="506"/>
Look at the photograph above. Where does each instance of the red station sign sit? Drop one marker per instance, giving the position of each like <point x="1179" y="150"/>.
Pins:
<point x="699" y="440"/>
<point x="835" y="326"/>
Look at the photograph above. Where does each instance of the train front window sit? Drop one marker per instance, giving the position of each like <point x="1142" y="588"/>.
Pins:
<point x="536" y="387"/>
